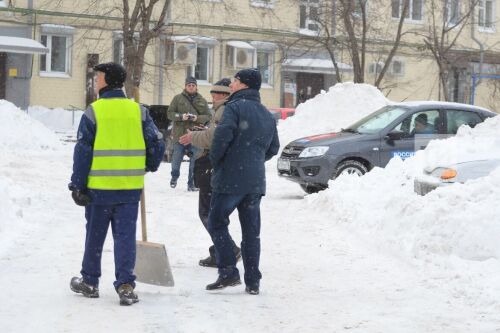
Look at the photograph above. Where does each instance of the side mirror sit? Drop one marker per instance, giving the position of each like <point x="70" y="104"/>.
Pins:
<point x="394" y="135"/>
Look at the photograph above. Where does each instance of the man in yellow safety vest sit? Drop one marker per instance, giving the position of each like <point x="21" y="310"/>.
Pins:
<point x="117" y="144"/>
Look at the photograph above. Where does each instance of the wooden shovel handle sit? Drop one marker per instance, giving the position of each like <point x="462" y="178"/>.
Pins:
<point x="143" y="196"/>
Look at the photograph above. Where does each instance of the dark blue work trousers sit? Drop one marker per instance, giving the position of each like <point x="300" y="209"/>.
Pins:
<point x="248" y="205"/>
<point x="123" y="219"/>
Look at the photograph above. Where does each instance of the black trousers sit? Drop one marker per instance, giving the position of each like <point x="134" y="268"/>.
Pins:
<point x="202" y="177"/>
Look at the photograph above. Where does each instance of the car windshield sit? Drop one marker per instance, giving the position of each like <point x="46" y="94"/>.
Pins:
<point x="377" y="121"/>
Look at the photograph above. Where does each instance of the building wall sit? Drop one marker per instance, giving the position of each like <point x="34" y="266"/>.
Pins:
<point x="229" y="20"/>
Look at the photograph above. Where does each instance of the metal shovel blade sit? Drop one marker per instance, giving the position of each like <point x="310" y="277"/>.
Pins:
<point x="152" y="266"/>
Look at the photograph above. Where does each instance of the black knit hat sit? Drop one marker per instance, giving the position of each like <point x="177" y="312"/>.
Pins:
<point x="189" y="80"/>
<point x="221" y="86"/>
<point x="251" y="77"/>
<point x="115" y="74"/>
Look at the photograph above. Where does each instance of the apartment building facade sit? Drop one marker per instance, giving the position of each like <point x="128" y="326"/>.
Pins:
<point x="211" y="39"/>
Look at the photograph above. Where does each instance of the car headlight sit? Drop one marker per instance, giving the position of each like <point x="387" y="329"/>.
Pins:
<point x="445" y="174"/>
<point x="448" y="174"/>
<point x="314" y="151"/>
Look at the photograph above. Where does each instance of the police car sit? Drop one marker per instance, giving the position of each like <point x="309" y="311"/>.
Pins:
<point x="394" y="130"/>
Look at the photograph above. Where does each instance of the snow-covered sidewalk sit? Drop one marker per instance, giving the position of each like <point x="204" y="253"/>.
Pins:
<point x="317" y="277"/>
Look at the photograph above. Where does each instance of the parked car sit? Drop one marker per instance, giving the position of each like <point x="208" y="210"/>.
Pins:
<point x="394" y="130"/>
<point x="283" y="113"/>
<point x="455" y="173"/>
<point x="159" y="115"/>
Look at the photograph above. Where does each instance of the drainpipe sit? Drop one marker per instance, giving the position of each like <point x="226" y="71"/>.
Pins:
<point x="481" y="49"/>
<point x="161" y="70"/>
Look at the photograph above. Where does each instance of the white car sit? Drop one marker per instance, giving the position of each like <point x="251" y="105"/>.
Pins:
<point x="456" y="173"/>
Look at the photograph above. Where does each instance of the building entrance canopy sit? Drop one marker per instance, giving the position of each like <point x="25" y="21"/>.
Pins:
<point x="313" y="65"/>
<point x="21" y="45"/>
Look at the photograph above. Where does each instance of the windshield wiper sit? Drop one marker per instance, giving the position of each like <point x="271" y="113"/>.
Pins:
<point x="348" y="130"/>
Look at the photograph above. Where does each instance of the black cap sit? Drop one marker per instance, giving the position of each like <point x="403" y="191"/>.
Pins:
<point x="189" y="80"/>
<point x="250" y="76"/>
<point x="115" y="74"/>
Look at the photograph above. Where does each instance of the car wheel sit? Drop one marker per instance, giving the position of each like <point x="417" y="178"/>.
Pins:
<point x="350" y="167"/>
<point x="309" y="189"/>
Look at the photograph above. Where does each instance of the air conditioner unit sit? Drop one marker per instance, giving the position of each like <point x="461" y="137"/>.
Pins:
<point x="184" y="53"/>
<point x="239" y="57"/>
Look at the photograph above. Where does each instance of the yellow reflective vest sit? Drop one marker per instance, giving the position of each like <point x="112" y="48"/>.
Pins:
<point x="119" y="156"/>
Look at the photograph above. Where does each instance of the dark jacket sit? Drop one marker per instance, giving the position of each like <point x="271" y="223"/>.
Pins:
<point x="184" y="103"/>
<point x="82" y="157"/>
<point x="244" y="139"/>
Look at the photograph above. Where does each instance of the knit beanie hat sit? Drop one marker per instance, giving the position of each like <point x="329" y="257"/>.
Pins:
<point x="221" y="86"/>
<point x="251" y="77"/>
<point x="189" y="80"/>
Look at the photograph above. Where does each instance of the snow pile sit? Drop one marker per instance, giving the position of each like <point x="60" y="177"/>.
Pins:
<point x="7" y="213"/>
<point x="18" y="131"/>
<point x="341" y="106"/>
<point x="461" y="221"/>
<point x="479" y="143"/>
<point x="56" y="119"/>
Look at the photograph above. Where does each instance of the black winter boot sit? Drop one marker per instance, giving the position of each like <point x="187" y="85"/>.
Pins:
<point x="210" y="260"/>
<point x="222" y="283"/>
<point x="80" y="287"/>
<point x="252" y="289"/>
<point x="127" y="294"/>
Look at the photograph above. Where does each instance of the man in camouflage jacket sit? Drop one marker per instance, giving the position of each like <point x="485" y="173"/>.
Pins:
<point x="186" y="110"/>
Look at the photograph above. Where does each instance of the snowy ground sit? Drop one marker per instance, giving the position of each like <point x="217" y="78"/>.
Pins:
<point x="366" y="255"/>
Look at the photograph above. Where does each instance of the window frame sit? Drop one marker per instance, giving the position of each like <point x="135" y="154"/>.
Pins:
<point x="270" y="64"/>
<point x="455" y="14"/>
<point x="48" y="72"/>
<point x="410" y="18"/>
<point x="191" y="70"/>
<point x="481" y="6"/>
<point x="269" y="4"/>
<point x="450" y="119"/>
<point x="308" y="4"/>
<point x="402" y="63"/>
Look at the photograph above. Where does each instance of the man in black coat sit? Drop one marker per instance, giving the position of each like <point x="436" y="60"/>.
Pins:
<point x="243" y="141"/>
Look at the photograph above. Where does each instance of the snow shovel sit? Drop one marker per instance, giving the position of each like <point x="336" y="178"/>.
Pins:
<point x="152" y="265"/>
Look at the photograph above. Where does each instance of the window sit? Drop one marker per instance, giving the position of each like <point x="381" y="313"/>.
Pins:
<point x="375" y="68"/>
<point x="3" y="3"/>
<point x="118" y="46"/>
<point x="415" y="9"/>
<point x="118" y="50"/>
<point x="397" y="68"/>
<point x="309" y="12"/>
<point x="357" y="10"/>
<point x="265" y="66"/>
<point x="485" y="12"/>
<point x="201" y="70"/>
<point x="453" y="11"/>
<point x="57" y="61"/>
<point x="262" y="3"/>
<point x="456" y="118"/>
<point x="420" y="123"/>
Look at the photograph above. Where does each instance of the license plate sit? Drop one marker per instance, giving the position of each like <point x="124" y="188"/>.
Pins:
<point x="283" y="164"/>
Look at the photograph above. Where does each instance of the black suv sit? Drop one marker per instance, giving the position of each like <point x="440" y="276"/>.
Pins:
<point x="395" y="130"/>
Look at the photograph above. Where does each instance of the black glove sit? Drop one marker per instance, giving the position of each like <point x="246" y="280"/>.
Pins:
<point x="80" y="197"/>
